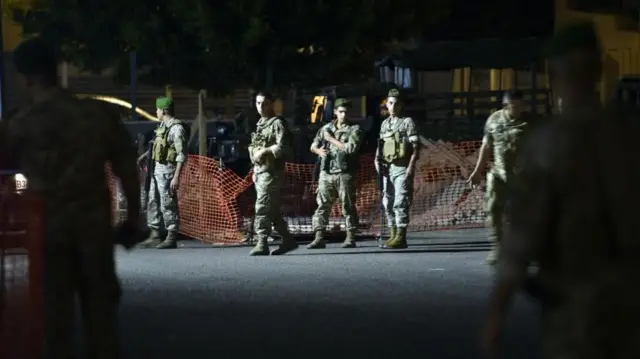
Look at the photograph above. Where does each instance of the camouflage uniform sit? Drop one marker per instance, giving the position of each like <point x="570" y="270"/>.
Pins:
<point x="271" y="134"/>
<point x="337" y="180"/>
<point x="168" y="150"/>
<point x="401" y="133"/>
<point x="573" y="212"/>
<point x="504" y="134"/>
<point x="64" y="144"/>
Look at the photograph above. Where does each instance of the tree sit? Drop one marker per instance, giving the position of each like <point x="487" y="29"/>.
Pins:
<point x="226" y="44"/>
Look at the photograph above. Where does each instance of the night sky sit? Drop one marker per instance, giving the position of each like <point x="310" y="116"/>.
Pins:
<point x="494" y="19"/>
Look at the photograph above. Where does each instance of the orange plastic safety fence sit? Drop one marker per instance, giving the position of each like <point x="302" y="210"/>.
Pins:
<point x="216" y="205"/>
<point x="21" y="276"/>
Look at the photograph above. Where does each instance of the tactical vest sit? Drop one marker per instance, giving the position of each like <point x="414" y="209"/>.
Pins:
<point x="260" y="140"/>
<point x="396" y="146"/>
<point x="163" y="152"/>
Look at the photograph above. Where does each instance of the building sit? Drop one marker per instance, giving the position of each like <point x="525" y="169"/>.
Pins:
<point x="618" y="27"/>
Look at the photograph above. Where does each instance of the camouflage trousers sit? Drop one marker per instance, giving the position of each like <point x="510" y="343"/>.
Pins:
<point x="162" y="204"/>
<point x="495" y="206"/>
<point x="397" y="192"/>
<point x="330" y="188"/>
<point x="268" y="215"/>
<point x="79" y="260"/>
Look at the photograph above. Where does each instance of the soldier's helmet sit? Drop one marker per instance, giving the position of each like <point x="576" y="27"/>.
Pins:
<point x="341" y="102"/>
<point x="394" y="93"/>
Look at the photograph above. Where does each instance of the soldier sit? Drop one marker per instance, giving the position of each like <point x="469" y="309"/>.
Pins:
<point x="62" y="144"/>
<point x="573" y="212"/>
<point x="503" y="134"/>
<point x="270" y="146"/>
<point x="396" y="161"/>
<point x="169" y="154"/>
<point x="338" y="174"/>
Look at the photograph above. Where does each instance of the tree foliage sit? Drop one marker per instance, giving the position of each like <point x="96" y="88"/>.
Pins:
<point x="218" y="45"/>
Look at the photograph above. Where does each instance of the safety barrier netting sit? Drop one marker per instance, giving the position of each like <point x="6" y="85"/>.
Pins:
<point x="216" y="205"/>
<point x="21" y="270"/>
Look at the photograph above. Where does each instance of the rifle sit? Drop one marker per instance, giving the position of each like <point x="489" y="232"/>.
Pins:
<point x="320" y="165"/>
<point x="150" y="168"/>
<point x="380" y="175"/>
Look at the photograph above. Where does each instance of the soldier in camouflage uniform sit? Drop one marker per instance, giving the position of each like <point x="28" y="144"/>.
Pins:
<point x="573" y="211"/>
<point x="396" y="159"/>
<point x="338" y="175"/>
<point x="169" y="153"/>
<point x="503" y="135"/>
<point x="270" y="146"/>
<point x="63" y="144"/>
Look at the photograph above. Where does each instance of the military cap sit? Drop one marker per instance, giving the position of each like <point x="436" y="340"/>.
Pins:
<point x="342" y="102"/>
<point x="163" y="102"/>
<point x="393" y="93"/>
<point x="35" y="57"/>
<point x="577" y="36"/>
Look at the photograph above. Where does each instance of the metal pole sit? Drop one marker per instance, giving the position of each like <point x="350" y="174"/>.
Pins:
<point x="202" y="124"/>
<point x="133" y="73"/>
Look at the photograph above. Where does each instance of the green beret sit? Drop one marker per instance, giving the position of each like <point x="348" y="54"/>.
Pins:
<point x="342" y="102"/>
<point x="579" y="36"/>
<point x="393" y="93"/>
<point x="163" y="102"/>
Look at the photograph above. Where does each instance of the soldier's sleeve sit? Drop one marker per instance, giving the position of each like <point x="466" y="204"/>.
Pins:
<point x="382" y="128"/>
<point x="487" y="138"/>
<point x="354" y="141"/>
<point x="318" y="139"/>
<point x="283" y="143"/>
<point x="531" y="208"/>
<point x="412" y="131"/>
<point x="178" y="137"/>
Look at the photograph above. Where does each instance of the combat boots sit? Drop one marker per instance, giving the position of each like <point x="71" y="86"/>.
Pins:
<point x="318" y="241"/>
<point x="261" y="248"/>
<point x="288" y="244"/>
<point x="350" y="240"/>
<point x="399" y="241"/>
<point x="152" y="240"/>
<point x="170" y="242"/>
<point x="393" y="232"/>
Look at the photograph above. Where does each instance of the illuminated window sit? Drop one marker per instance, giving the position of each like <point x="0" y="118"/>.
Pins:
<point x="317" y="110"/>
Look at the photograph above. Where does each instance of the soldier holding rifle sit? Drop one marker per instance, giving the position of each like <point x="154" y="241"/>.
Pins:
<point x="166" y="156"/>
<point x="270" y="146"/>
<point x="395" y="161"/>
<point x="337" y="179"/>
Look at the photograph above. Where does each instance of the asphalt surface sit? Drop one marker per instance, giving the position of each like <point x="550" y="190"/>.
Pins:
<point x="201" y="301"/>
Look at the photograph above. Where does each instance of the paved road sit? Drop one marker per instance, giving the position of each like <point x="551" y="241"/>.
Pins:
<point x="205" y="302"/>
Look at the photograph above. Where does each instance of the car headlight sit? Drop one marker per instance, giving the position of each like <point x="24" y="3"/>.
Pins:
<point x="21" y="181"/>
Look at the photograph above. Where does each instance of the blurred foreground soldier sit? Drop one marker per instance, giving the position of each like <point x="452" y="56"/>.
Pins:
<point x="574" y="213"/>
<point x="396" y="161"/>
<point x="270" y="145"/>
<point x="338" y="174"/>
<point x="169" y="152"/>
<point x="504" y="132"/>
<point x="63" y="144"/>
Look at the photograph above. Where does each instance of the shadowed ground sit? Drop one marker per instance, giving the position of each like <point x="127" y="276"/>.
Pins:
<point x="205" y="302"/>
